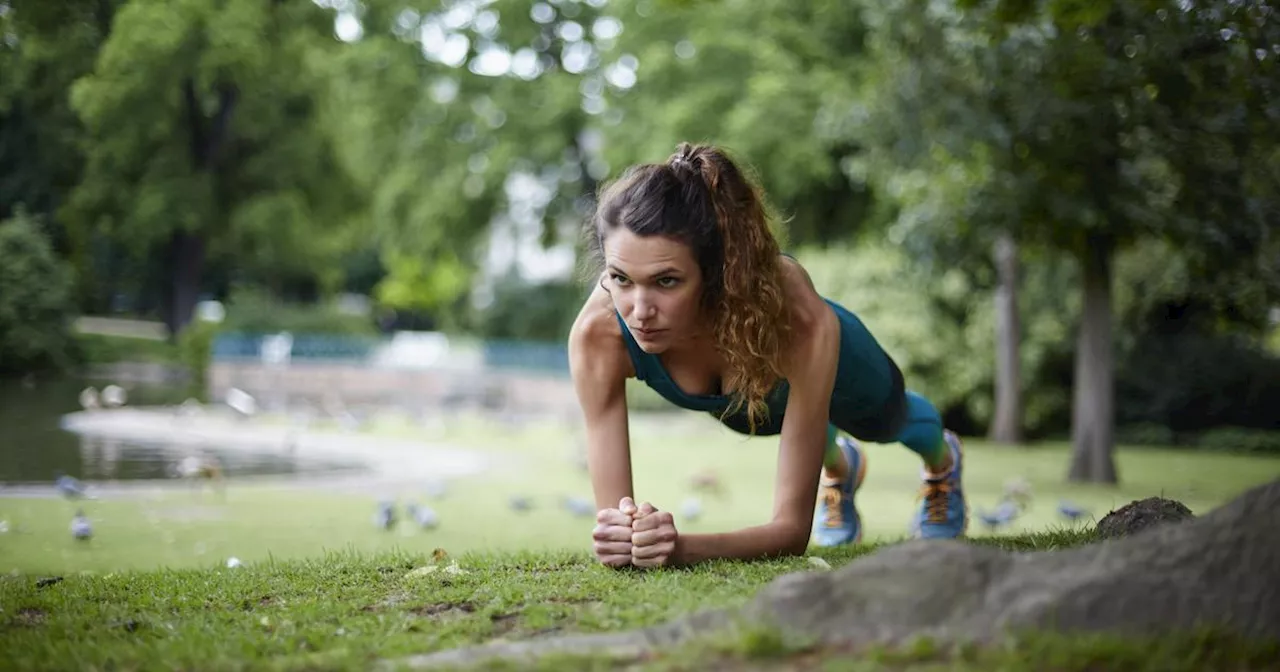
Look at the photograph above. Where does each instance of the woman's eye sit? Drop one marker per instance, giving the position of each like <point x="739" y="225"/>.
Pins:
<point x="668" y="282"/>
<point x="620" y="280"/>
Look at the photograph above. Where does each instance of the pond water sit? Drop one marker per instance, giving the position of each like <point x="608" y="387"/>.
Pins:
<point x="34" y="447"/>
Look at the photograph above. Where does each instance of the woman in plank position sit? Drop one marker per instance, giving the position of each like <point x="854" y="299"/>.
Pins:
<point x="695" y="299"/>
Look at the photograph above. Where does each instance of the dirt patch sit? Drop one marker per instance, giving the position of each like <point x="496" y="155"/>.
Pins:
<point x="573" y="600"/>
<point x="1141" y="515"/>
<point x="504" y="623"/>
<point x="440" y="610"/>
<point x="28" y="617"/>
<point x="393" y="600"/>
<point x="264" y="601"/>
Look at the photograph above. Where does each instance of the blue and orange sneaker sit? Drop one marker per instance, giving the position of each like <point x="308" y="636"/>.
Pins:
<point x="836" y="521"/>
<point x="943" y="514"/>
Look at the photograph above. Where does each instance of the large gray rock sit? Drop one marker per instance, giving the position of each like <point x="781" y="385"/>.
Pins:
<point x="1222" y="569"/>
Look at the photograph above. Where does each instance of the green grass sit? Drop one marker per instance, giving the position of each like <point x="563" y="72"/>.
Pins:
<point x="322" y="589"/>
<point x="344" y="611"/>
<point x="256" y="522"/>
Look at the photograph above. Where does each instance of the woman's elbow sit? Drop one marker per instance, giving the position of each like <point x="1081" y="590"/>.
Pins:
<point x="794" y="540"/>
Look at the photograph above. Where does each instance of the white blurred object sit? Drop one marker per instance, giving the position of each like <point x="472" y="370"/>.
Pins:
<point x="415" y="350"/>
<point x="210" y="311"/>
<point x="241" y="402"/>
<point x="89" y="399"/>
<point x="691" y="509"/>
<point x="113" y="396"/>
<point x="1017" y="490"/>
<point x="819" y="562"/>
<point x="233" y="562"/>
<point x="277" y="349"/>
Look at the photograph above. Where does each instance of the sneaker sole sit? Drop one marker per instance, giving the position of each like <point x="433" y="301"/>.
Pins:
<point x="857" y="483"/>
<point x="964" y="528"/>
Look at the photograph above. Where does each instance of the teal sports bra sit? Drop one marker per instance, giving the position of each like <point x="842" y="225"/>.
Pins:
<point x="867" y="388"/>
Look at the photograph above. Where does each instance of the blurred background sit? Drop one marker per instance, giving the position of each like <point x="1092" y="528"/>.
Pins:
<point x="359" y="218"/>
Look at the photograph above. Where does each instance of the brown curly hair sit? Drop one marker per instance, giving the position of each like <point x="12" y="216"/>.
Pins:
<point x="701" y="197"/>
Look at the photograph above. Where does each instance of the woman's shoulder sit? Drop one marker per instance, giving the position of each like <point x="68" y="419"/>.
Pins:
<point x="807" y="308"/>
<point x="596" y="336"/>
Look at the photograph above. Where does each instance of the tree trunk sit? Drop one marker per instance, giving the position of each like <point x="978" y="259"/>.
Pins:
<point x="1093" y="411"/>
<point x="1006" y="426"/>
<point x="186" y="263"/>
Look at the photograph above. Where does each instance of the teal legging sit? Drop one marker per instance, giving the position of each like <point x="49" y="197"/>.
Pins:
<point x="921" y="431"/>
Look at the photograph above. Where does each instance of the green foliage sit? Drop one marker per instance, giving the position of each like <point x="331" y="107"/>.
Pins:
<point x="92" y="349"/>
<point x="1240" y="440"/>
<point x="35" y="299"/>
<point x="725" y="72"/>
<point x="534" y="311"/>
<point x="416" y="283"/>
<point x="937" y="325"/>
<point x="195" y="352"/>
<point x="208" y="118"/>
<point x="254" y="311"/>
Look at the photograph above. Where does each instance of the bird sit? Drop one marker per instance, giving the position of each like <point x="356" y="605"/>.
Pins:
<point x="1018" y="491"/>
<point x="707" y="481"/>
<point x="1004" y="513"/>
<point x="521" y="503"/>
<point x="1071" y="511"/>
<point x="422" y="515"/>
<point x="89" y="399"/>
<point x="386" y="515"/>
<point x="70" y="486"/>
<point x="81" y="530"/>
<point x="579" y="506"/>
<point x="113" y="396"/>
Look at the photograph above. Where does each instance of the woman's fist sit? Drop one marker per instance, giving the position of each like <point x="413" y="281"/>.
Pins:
<point x="653" y="537"/>
<point x="612" y="535"/>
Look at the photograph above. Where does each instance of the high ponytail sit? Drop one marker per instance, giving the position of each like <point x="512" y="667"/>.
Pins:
<point x="748" y="310"/>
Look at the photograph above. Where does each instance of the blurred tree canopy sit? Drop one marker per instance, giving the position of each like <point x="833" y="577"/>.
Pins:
<point x="1124" y="153"/>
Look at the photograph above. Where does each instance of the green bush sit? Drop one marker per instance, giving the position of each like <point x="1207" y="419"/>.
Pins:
<point x="35" y="300"/>
<point x="1145" y="434"/>
<point x="195" y="352"/>
<point x="254" y="311"/>
<point x="1240" y="440"/>
<point x="106" y="349"/>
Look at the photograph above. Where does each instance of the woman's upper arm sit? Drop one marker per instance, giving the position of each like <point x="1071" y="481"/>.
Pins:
<point x="811" y="368"/>
<point x="599" y="365"/>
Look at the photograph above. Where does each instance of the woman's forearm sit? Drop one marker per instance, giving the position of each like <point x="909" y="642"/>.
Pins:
<point x="769" y="540"/>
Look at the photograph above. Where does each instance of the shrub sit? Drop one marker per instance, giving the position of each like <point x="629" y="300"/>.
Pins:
<point x="35" y="299"/>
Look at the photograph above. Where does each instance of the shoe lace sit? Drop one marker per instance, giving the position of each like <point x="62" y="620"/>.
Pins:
<point x="936" y="495"/>
<point x="831" y="498"/>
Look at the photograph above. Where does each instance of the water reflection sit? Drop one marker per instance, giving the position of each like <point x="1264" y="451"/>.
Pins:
<point x="34" y="446"/>
<point x="105" y="459"/>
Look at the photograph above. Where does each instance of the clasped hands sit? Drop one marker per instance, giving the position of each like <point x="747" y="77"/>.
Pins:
<point x="634" y="535"/>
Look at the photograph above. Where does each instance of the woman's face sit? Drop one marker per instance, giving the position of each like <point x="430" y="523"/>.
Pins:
<point x="656" y="286"/>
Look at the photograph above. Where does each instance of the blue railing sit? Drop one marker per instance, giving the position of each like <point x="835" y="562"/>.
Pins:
<point x="550" y="358"/>
<point x="310" y="347"/>
<point x="510" y="355"/>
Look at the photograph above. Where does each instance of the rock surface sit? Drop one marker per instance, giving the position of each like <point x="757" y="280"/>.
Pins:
<point x="1222" y="569"/>
<point x="1140" y="515"/>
